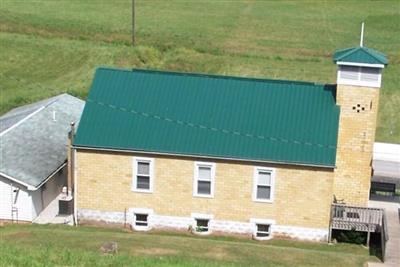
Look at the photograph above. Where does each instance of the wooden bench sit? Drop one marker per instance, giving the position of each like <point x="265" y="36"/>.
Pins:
<point x="388" y="188"/>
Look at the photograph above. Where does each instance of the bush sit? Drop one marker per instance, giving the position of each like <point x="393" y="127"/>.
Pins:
<point x="352" y="236"/>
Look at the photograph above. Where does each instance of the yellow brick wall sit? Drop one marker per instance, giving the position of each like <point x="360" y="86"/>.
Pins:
<point x="302" y="194"/>
<point x="355" y="143"/>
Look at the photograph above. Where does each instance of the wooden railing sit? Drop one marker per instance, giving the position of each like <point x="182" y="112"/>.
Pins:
<point x="358" y="218"/>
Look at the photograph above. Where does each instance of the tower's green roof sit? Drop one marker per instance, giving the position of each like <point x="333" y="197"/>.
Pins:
<point x="360" y="55"/>
<point x="211" y="116"/>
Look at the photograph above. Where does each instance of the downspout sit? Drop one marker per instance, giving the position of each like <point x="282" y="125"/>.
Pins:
<point x="72" y="190"/>
<point x="70" y="160"/>
<point x="75" y="190"/>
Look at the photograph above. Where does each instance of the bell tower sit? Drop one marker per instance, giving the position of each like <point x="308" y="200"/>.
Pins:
<point x="359" y="79"/>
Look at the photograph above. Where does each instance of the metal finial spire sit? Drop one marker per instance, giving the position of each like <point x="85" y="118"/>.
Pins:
<point x="362" y="34"/>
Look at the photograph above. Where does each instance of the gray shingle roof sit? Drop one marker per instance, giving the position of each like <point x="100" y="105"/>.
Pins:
<point x="33" y="144"/>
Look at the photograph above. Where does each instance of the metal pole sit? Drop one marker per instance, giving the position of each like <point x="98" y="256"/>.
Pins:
<point x="133" y="23"/>
<point x="362" y="35"/>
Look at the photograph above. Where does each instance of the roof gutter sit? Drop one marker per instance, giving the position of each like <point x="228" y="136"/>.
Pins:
<point x="29" y="187"/>
<point x="199" y="156"/>
<point x="51" y="175"/>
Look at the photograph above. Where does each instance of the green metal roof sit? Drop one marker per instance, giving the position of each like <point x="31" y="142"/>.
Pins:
<point x="360" y="55"/>
<point x="211" y="116"/>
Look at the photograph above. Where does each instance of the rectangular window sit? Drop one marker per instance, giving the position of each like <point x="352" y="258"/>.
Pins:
<point x="202" y="225"/>
<point x="263" y="230"/>
<point x="349" y="72"/>
<point x="263" y="184"/>
<point x="204" y="179"/>
<point x="370" y="74"/>
<point x="143" y="175"/>
<point x="141" y="220"/>
<point x="360" y="76"/>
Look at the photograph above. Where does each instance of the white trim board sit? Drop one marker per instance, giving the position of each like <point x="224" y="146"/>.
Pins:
<point x="29" y="187"/>
<point x="380" y="66"/>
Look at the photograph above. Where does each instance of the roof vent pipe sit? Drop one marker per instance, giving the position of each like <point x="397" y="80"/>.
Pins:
<point x="362" y="35"/>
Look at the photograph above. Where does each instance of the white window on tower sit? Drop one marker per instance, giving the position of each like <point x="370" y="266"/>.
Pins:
<point x="203" y="182"/>
<point x="349" y="73"/>
<point x="263" y="184"/>
<point x="143" y="175"/>
<point x="369" y="76"/>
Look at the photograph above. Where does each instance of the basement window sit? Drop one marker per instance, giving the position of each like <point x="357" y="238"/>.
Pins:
<point x="202" y="225"/>
<point x="141" y="220"/>
<point x="263" y="230"/>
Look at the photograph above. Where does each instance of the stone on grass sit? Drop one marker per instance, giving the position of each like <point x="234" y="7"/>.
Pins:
<point x="109" y="248"/>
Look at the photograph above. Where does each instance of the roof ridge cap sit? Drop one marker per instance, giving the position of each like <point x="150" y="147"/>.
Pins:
<point x="22" y="120"/>
<point x="215" y="76"/>
<point x="348" y="53"/>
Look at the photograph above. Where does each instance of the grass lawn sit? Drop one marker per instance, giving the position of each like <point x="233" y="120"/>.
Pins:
<point x="49" y="47"/>
<point x="36" y="245"/>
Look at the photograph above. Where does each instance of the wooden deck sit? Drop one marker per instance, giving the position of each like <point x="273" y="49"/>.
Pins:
<point x="358" y="218"/>
<point x="362" y="219"/>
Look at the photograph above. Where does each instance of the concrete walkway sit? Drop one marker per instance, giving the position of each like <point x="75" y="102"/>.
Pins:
<point x="50" y="215"/>
<point x="393" y="223"/>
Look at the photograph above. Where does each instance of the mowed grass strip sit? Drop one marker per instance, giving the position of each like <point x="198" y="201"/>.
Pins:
<point x="35" y="245"/>
<point x="49" y="47"/>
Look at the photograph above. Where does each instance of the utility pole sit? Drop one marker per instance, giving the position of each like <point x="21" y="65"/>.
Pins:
<point x="133" y="22"/>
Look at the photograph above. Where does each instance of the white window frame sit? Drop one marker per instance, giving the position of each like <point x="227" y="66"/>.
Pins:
<point x="198" y="164"/>
<point x="141" y="211"/>
<point x="136" y="160"/>
<point x="359" y="82"/>
<point x="255" y="184"/>
<point x="202" y="216"/>
<point x="257" y="222"/>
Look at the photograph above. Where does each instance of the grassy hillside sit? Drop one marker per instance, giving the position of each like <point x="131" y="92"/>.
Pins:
<point x="48" y="47"/>
<point x="52" y="245"/>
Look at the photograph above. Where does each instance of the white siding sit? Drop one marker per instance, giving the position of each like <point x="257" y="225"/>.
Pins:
<point x="21" y="198"/>
<point x="37" y="206"/>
